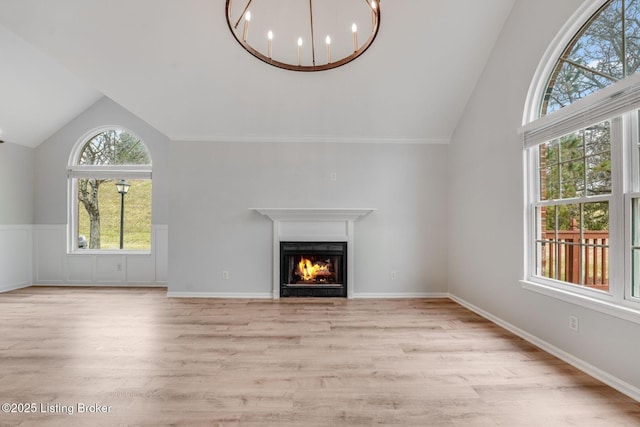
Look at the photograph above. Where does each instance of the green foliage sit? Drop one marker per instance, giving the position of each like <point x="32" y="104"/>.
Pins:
<point x="575" y="166"/>
<point x="137" y="216"/>
<point x="108" y="148"/>
<point x="601" y="54"/>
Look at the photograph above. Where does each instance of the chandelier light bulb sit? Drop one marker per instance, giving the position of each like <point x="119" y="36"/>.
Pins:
<point x="299" y="51"/>
<point x="270" y="35"/>
<point x="354" y="29"/>
<point x="374" y="5"/>
<point x="328" y="41"/>
<point x="299" y="41"/>
<point x="245" y="30"/>
<point x="269" y="43"/>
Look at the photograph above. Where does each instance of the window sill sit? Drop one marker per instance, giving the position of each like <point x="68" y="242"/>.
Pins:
<point x="605" y="307"/>
<point x="82" y="252"/>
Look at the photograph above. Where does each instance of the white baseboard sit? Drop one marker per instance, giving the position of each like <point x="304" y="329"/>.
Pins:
<point x="235" y="295"/>
<point x="14" y="287"/>
<point x="408" y="295"/>
<point x="612" y="381"/>
<point x="104" y="285"/>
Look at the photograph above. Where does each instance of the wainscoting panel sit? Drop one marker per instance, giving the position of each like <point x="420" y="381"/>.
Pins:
<point x="79" y="269"/>
<point x="15" y="256"/>
<point x="54" y="266"/>
<point x="161" y="244"/>
<point x="49" y="249"/>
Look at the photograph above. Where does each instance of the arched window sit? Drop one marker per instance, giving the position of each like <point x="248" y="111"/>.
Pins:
<point x="110" y="192"/>
<point x="604" y="51"/>
<point x="582" y="148"/>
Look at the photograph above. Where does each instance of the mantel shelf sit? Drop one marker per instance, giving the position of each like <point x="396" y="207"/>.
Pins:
<point x="314" y="214"/>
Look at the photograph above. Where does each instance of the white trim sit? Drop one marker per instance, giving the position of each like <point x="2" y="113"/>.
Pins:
<point x="227" y="295"/>
<point x="324" y="215"/>
<point x="102" y="284"/>
<point x="15" y="287"/>
<point x="614" y="309"/>
<point x="612" y="381"/>
<point x="149" y="267"/>
<point x="400" y="295"/>
<point x="268" y="295"/>
<point x="314" y="214"/>
<point x="324" y="139"/>
<point x="611" y="101"/>
<point x="551" y="55"/>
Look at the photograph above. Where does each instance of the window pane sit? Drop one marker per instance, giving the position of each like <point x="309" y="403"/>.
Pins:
<point x="572" y="243"/>
<point x="600" y="45"/>
<point x="599" y="174"/>
<point x="576" y="165"/>
<point x="596" y="245"/>
<point x="572" y="179"/>
<point x="571" y="83"/>
<point x="546" y="247"/>
<point x="114" y="147"/>
<point x="572" y="146"/>
<point x="635" y="249"/>
<point x="632" y="36"/>
<point x="99" y="215"/>
<point x="594" y="57"/>
<point x="635" y="284"/>
<point x="550" y="183"/>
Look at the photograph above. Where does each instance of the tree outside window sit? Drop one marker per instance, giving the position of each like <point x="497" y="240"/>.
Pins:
<point x="104" y="159"/>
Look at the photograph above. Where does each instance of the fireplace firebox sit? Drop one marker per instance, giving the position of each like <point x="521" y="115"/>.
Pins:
<point x="313" y="269"/>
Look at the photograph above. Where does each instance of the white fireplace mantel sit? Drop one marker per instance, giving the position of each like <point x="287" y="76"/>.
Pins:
<point x="313" y="224"/>
<point x="314" y="214"/>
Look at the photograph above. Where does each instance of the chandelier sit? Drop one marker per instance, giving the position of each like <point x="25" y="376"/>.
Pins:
<point x="301" y="35"/>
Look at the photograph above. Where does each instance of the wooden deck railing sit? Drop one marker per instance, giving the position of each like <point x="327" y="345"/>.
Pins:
<point x="561" y="257"/>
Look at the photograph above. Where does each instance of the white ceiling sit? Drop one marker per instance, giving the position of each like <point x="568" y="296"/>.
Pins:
<point x="175" y="64"/>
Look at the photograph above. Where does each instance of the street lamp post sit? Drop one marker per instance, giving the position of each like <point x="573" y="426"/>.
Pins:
<point x="123" y="187"/>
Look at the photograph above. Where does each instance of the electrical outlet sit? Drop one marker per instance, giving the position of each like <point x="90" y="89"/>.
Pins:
<point x="573" y="323"/>
<point x="334" y="176"/>
<point x="119" y="267"/>
<point x="394" y="275"/>
<point x="225" y="275"/>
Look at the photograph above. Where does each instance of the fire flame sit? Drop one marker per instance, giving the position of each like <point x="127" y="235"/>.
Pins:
<point x="309" y="271"/>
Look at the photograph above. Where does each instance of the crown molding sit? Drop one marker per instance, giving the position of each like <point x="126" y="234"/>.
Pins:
<point x="329" y="139"/>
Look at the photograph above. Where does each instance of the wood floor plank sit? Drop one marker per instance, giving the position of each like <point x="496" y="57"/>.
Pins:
<point x="157" y="361"/>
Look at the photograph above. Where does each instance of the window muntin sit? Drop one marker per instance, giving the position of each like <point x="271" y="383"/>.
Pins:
<point x="103" y="159"/>
<point x="604" y="51"/>
<point x="114" y="147"/>
<point x="583" y="165"/>
<point x="572" y="208"/>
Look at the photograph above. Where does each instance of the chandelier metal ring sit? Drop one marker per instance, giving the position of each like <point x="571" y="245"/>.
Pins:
<point x="289" y="34"/>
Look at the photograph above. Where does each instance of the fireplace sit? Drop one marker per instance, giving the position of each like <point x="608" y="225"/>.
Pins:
<point x="313" y="269"/>
<point x="315" y="225"/>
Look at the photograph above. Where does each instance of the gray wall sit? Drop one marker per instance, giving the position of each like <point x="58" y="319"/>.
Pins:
<point x="214" y="185"/>
<point x="52" y="158"/>
<point x="16" y="215"/>
<point x="486" y="236"/>
<point x="51" y="262"/>
<point x="17" y="184"/>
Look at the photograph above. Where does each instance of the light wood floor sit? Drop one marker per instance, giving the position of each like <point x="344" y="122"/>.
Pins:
<point x="298" y="362"/>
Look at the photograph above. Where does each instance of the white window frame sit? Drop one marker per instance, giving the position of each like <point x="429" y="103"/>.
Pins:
<point x="619" y="103"/>
<point x="76" y="171"/>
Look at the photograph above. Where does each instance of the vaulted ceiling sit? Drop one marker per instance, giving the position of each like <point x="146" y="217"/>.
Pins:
<point x="175" y="65"/>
